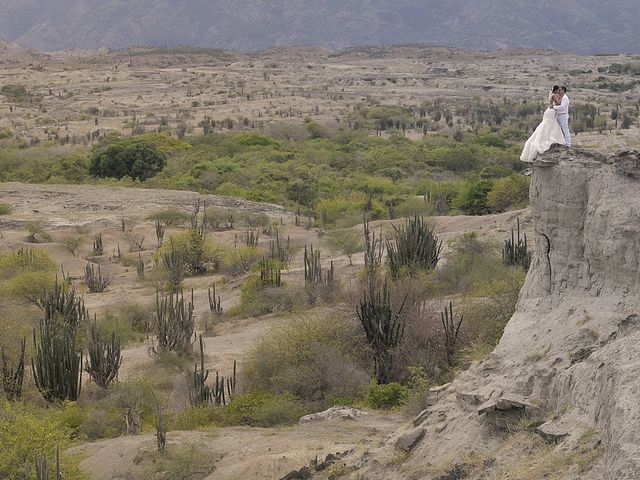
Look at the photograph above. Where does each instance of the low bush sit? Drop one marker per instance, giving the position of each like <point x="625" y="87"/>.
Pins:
<point x="317" y="359"/>
<point x="386" y="396"/>
<point x="257" y="300"/>
<point x="509" y="192"/>
<point x="5" y="209"/>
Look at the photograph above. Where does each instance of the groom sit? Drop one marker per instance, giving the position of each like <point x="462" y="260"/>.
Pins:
<point x="563" y="115"/>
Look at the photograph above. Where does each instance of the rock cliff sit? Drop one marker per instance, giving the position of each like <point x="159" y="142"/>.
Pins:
<point x="567" y="368"/>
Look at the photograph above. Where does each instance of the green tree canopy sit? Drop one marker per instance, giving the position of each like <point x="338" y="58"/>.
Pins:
<point x="131" y="157"/>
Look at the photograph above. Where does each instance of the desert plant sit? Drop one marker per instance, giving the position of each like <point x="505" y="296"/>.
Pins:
<point x="57" y="361"/>
<point x="72" y="243"/>
<point x="348" y="241"/>
<point x="175" y="322"/>
<point x="312" y="267"/>
<point x="270" y="273"/>
<point x="383" y="326"/>
<point x="451" y="330"/>
<point x="5" y="209"/>
<point x="200" y="393"/>
<point x="135" y="241"/>
<point x="104" y="358"/>
<point x="387" y="396"/>
<point x="13" y="377"/>
<point x="373" y="248"/>
<point x="140" y="266"/>
<point x="174" y="264"/>
<point x="42" y="467"/>
<point x="251" y="237"/>
<point x="516" y="250"/>
<point x="280" y="252"/>
<point x="37" y="232"/>
<point x="415" y="247"/>
<point x="214" y="300"/>
<point x="161" y="228"/>
<point x="62" y="305"/>
<point x="98" y="246"/>
<point x="95" y="281"/>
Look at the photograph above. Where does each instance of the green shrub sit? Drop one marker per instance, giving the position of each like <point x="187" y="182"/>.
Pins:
<point x="131" y="157"/>
<point x="472" y="199"/>
<point x="315" y="358"/>
<point x="5" y="209"/>
<point x="509" y="192"/>
<point x="262" y="409"/>
<point x="30" y="285"/>
<point x="257" y="300"/>
<point x="386" y="397"/>
<point x="23" y="430"/>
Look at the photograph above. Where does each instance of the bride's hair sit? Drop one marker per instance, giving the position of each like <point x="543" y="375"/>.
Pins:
<point x="555" y="88"/>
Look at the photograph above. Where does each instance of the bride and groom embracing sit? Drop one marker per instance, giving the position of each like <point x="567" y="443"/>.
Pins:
<point x="554" y="127"/>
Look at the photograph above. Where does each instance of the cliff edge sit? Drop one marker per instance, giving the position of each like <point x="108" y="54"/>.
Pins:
<point x="563" y="385"/>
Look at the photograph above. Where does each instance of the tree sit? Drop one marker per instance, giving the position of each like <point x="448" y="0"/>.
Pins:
<point x="127" y="157"/>
<point x="347" y="240"/>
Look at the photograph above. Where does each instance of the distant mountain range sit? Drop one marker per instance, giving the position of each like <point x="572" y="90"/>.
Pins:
<point x="581" y="26"/>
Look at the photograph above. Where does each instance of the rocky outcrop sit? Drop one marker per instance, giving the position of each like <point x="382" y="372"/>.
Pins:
<point x="569" y="360"/>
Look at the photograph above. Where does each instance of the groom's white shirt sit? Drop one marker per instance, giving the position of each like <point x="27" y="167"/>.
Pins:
<point x="563" y="108"/>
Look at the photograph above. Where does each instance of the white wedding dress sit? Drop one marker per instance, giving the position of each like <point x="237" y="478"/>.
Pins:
<point x="545" y="135"/>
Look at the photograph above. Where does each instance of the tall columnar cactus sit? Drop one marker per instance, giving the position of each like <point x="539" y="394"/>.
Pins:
<point x="98" y="246"/>
<point x="140" y="266"/>
<point x="57" y="361"/>
<point x="200" y="393"/>
<point x="251" y="237"/>
<point x="280" y="252"/>
<point x="516" y="250"/>
<point x="215" y="304"/>
<point x="312" y="267"/>
<point x="104" y="358"/>
<point x="451" y="330"/>
<point x="42" y="467"/>
<point x="13" y="377"/>
<point x="415" y="247"/>
<point x="270" y="273"/>
<point x="161" y="228"/>
<point x="175" y="321"/>
<point x="60" y="304"/>
<point x="173" y="261"/>
<point x="383" y="327"/>
<point x="373" y="248"/>
<point x="95" y="281"/>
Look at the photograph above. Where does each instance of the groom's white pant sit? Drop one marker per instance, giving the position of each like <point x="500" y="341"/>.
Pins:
<point x="563" y="120"/>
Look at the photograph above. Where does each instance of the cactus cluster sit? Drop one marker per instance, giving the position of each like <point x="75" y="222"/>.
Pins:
<point x="140" y="266"/>
<point x="451" y="330"/>
<point x="270" y="273"/>
<point x="104" y="358"/>
<point x="95" y="281"/>
<point x="42" y="466"/>
<point x="280" y="252"/>
<point x="173" y="261"/>
<point x="373" y="248"/>
<point x="251" y="237"/>
<point x="415" y="247"/>
<point x="98" y="246"/>
<point x="516" y="250"/>
<point x="175" y="322"/>
<point x="215" y="304"/>
<point x="161" y="228"/>
<point x="219" y="392"/>
<point x="383" y="326"/>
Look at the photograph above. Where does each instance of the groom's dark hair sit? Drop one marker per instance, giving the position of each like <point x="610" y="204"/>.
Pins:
<point x="564" y="89"/>
<point x="555" y="88"/>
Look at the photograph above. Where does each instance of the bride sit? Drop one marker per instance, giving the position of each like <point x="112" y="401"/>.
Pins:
<point x="547" y="133"/>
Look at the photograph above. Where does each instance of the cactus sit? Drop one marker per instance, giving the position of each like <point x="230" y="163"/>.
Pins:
<point x="94" y="280"/>
<point x="451" y="330"/>
<point x="140" y="266"/>
<point x="312" y="267"/>
<point x="416" y="247"/>
<point x="329" y="277"/>
<point x="373" y="248"/>
<point x="13" y="377"/>
<point x="279" y="252"/>
<point x="194" y="254"/>
<point x="200" y="393"/>
<point x="383" y="327"/>
<point x="214" y="301"/>
<point x="270" y="273"/>
<point x="174" y="264"/>
<point x="251" y="238"/>
<point x="98" y="246"/>
<point x="42" y="467"/>
<point x="57" y="361"/>
<point x="104" y="359"/>
<point x="60" y="305"/>
<point x="161" y="228"/>
<point x="175" y="322"/>
<point x="516" y="250"/>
